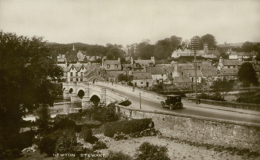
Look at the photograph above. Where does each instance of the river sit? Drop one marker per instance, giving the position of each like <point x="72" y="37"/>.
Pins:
<point x="60" y="107"/>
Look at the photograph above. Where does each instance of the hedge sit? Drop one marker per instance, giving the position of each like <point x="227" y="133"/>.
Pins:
<point x="127" y="126"/>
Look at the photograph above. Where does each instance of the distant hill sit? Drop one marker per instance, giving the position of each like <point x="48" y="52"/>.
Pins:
<point x="234" y="44"/>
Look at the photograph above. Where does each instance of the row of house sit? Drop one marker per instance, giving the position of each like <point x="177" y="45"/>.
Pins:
<point x="206" y="53"/>
<point x="240" y="55"/>
<point x="147" y="73"/>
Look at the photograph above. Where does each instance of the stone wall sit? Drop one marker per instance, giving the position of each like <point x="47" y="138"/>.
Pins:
<point x="201" y="130"/>
<point x="248" y="106"/>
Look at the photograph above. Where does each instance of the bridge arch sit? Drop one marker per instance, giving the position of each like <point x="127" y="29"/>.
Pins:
<point x="80" y="88"/>
<point x="95" y="99"/>
<point x="71" y="90"/>
<point x="81" y="93"/>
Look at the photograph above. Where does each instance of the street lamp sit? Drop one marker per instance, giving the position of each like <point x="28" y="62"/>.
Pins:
<point x="195" y="46"/>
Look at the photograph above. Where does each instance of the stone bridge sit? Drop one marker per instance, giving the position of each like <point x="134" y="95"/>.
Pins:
<point x="87" y="92"/>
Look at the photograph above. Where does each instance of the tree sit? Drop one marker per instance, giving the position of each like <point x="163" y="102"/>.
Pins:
<point x="247" y="46"/>
<point x="175" y="42"/>
<point x="223" y="86"/>
<point x="145" y="50"/>
<point x="163" y="49"/>
<point x="122" y="77"/>
<point x="28" y="79"/>
<point x="209" y="39"/>
<point x="247" y="75"/>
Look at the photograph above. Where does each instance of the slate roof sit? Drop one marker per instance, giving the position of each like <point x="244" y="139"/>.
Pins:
<point x="181" y="80"/>
<point x="146" y="62"/>
<point x="232" y="62"/>
<point x="191" y="73"/>
<point x="142" y="75"/>
<point x="230" y="71"/>
<point x="210" y="72"/>
<point x="114" y="73"/>
<point x="111" y="62"/>
<point x="213" y="52"/>
<point x="186" y="66"/>
<point x="156" y="70"/>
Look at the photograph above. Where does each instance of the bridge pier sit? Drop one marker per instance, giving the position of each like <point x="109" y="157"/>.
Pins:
<point x="86" y="103"/>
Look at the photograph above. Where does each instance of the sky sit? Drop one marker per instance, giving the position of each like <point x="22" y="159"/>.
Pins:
<point x="131" y="21"/>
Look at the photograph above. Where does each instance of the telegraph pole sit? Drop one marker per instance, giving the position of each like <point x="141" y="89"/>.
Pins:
<point x="140" y="101"/>
<point x="195" y="46"/>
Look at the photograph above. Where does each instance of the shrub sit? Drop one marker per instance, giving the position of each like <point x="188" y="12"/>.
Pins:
<point x="151" y="152"/>
<point x="65" y="124"/>
<point x="99" y="145"/>
<point x="127" y="126"/>
<point x="105" y="114"/>
<point x="119" y="136"/>
<point x="47" y="145"/>
<point x="117" y="156"/>
<point x="60" y="141"/>
<point x="86" y="134"/>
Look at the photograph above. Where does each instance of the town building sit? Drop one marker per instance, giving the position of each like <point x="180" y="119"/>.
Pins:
<point x="112" y="65"/>
<point x="142" y="79"/>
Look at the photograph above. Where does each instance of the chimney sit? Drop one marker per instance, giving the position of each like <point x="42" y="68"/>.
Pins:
<point x="153" y="60"/>
<point x="103" y="61"/>
<point x="119" y="60"/>
<point x="131" y="60"/>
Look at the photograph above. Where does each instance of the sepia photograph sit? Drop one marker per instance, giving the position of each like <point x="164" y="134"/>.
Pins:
<point x="130" y="79"/>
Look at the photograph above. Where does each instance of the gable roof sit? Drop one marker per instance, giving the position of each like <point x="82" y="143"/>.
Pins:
<point x="156" y="70"/>
<point x="142" y="75"/>
<point x="146" y="62"/>
<point x="111" y="62"/>
<point x="181" y="80"/>
<point x="230" y="71"/>
<point x="211" y="72"/>
<point x="232" y="62"/>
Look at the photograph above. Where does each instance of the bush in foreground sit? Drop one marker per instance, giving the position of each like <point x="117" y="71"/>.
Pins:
<point x="117" y="156"/>
<point x="127" y="126"/>
<point x="60" y="141"/>
<point x="151" y="152"/>
<point x="99" y="145"/>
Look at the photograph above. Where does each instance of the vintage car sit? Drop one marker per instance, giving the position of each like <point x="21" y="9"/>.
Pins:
<point x="172" y="102"/>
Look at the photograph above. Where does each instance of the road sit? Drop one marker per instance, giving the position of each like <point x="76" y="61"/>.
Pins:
<point x="189" y="108"/>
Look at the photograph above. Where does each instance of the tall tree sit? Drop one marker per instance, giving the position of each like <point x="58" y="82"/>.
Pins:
<point x="210" y="40"/>
<point x="145" y="50"/>
<point x="163" y="49"/>
<point x="28" y="79"/>
<point x="175" y="42"/>
<point x="247" y="74"/>
<point x="247" y="46"/>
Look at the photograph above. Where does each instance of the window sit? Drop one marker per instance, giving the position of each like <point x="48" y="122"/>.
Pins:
<point x="81" y="79"/>
<point x="162" y="75"/>
<point x="76" y="79"/>
<point x="71" y="79"/>
<point x="141" y="82"/>
<point x="76" y="73"/>
<point x="116" y="66"/>
<point x="82" y="74"/>
<point x="71" y="73"/>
